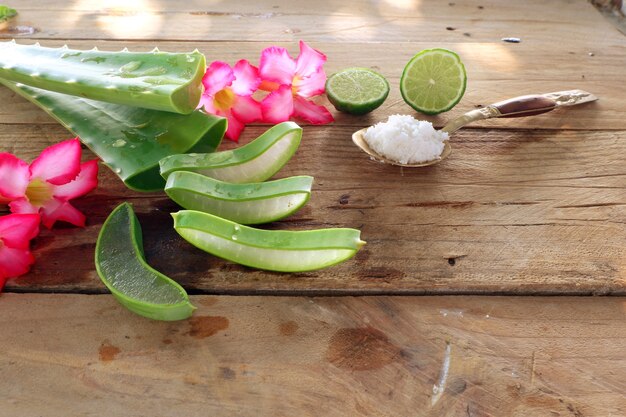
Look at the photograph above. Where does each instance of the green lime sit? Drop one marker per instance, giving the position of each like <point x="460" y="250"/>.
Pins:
<point x="357" y="90"/>
<point x="122" y="268"/>
<point x="433" y="81"/>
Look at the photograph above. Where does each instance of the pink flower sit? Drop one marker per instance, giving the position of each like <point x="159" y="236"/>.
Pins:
<point x="227" y="93"/>
<point x="16" y="231"/>
<point x="291" y="82"/>
<point x="46" y="186"/>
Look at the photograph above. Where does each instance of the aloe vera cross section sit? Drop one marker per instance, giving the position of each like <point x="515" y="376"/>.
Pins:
<point x="122" y="268"/>
<point x="274" y="250"/>
<point x="130" y="140"/>
<point x="154" y="80"/>
<point x="254" y="162"/>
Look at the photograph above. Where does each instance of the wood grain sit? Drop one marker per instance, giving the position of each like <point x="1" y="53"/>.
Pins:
<point x="526" y="212"/>
<point x="496" y="71"/>
<point x="323" y="20"/>
<point x="272" y="356"/>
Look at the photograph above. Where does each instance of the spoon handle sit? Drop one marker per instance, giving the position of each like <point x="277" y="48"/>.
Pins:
<point x="514" y="107"/>
<point x="521" y="106"/>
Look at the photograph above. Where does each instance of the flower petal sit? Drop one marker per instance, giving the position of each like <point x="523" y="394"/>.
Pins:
<point x="206" y="101"/>
<point x="22" y="206"/>
<point x="14" y="262"/>
<point x="86" y="181"/>
<point x="311" y="86"/>
<point x="278" y="105"/>
<point x="277" y="65"/>
<point x="309" y="61"/>
<point x="58" y="164"/>
<point x="56" y="210"/>
<point x="247" y="78"/>
<point x="14" y="176"/>
<point x="311" y="112"/>
<point x="235" y="127"/>
<point x="247" y="109"/>
<point x="16" y="230"/>
<point x="218" y="76"/>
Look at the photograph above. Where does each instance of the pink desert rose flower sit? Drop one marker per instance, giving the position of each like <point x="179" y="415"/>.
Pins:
<point x="228" y="93"/>
<point x="16" y="231"/>
<point x="291" y="82"/>
<point x="49" y="183"/>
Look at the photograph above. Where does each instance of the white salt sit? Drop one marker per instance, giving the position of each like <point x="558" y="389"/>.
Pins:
<point x="406" y="140"/>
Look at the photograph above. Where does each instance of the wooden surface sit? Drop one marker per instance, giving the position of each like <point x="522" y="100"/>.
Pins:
<point x="523" y="206"/>
<point x="339" y="356"/>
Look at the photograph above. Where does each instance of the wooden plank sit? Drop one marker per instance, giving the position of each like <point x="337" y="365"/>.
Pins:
<point x="495" y="71"/>
<point x="271" y="356"/>
<point x="510" y="212"/>
<point x="353" y="21"/>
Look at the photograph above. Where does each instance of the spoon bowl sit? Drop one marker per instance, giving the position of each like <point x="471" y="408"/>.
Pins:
<point x="359" y="140"/>
<point x="515" y="107"/>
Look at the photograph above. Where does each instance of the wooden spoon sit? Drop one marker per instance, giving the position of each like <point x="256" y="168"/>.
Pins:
<point x="521" y="106"/>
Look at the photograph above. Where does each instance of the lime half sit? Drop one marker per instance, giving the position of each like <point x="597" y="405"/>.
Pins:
<point x="433" y="81"/>
<point x="357" y="90"/>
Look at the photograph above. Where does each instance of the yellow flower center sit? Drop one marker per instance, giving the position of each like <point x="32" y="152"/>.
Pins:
<point x="294" y="84"/>
<point x="224" y="99"/>
<point x="38" y="192"/>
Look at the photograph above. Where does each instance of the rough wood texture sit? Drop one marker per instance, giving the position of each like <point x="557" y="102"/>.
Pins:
<point x="509" y="212"/>
<point x="533" y="205"/>
<point x="271" y="356"/>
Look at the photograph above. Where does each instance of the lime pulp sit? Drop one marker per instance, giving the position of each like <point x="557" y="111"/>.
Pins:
<point x="433" y="81"/>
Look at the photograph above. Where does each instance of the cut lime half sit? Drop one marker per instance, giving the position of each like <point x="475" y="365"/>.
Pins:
<point x="433" y="81"/>
<point x="357" y="90"/>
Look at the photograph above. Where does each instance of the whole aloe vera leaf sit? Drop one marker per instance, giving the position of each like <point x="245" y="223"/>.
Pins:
<point x="154" y="80"/>
<point x="130" y="140"/>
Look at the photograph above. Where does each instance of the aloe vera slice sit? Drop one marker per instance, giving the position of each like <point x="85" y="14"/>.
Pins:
<point x="254" y="162"/>
<point x="130" y="140"/>
<point x="250" y="203"/>
<point x="274" y="250"/>
<point x="154" y="80"/>
<point x="122" y="268"/>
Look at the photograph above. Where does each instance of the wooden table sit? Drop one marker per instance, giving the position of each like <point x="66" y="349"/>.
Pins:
<point x="444" y="312"/>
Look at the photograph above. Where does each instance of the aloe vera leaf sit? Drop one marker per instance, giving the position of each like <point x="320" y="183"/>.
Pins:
<point x="130" y="140"/>
<point x="6" y="13"/>
<point x="274" y="250"/>
<point x="254" y="162"/>
<point x="250" y="203"/>
<point x="154" y="80"/>
<point x="122" y="268"/>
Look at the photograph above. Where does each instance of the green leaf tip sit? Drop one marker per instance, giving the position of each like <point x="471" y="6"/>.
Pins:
<point x="129" y="140"/>
<point x="7" y="13"/>
<point x="154" y="80"/>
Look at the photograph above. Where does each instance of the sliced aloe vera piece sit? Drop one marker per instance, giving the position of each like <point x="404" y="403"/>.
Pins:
<point x="250" y="203"/>
<point x="254" y="162"/>
<point x="154" y="80"/>
<point x="274" y="250"/>
<point x="130" y="140"/>
<point x="122" y="268"/>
